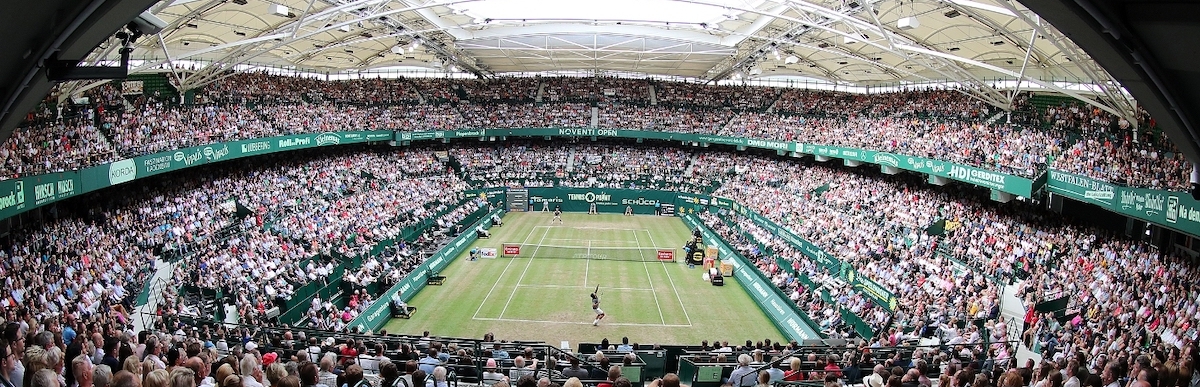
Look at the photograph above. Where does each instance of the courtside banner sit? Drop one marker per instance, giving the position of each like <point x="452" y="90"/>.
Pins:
<point x="666" y="255"/>
<point x="487" y="253"/>
<point x="512" y="249"/>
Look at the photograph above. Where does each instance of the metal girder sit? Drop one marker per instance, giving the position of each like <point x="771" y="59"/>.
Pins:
<point x="241" y="53"/>
<point x="948" y="69"/>
<point x="1122" y="104"/>
<point x="976" y="87"/>
<point x="1038" y="56"/>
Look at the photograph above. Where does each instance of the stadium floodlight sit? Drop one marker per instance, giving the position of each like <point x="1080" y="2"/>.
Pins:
<point x="791" y="59"/>
<point x="397" y="50"/>
<point x="279" y="10"/>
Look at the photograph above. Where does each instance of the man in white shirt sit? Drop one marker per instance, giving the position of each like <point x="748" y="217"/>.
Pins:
<point x="251" y="371"/>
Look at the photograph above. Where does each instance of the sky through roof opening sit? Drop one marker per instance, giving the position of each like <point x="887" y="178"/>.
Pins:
<point x="627" y="10"/>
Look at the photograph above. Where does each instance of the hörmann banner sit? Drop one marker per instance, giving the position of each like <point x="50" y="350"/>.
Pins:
<point x="781" y="311"/>
<point x="379" y="313"/>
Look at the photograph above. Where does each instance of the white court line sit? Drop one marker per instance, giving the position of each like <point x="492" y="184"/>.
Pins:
<point x="577" y="287"/>
<point x="587" y="264"/>
<point x="580" y="323"/>
<point x="647" y="267"/>
<point x="668" y="271"/>
<point x="514" y="292"/>
<point x="500" y="277"/>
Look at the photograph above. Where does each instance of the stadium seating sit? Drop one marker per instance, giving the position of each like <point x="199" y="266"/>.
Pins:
<point x="294" y="246"/>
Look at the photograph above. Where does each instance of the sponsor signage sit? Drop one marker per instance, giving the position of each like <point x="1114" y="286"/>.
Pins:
<point x="40" y="190"/>
<point x="487" y="252"/>
<point x="375" y="316"/>
<point x="784" y="313"/>
<point x="978" y="176"/>
<point x="1175" y="210"/>
<point x="666" y="255"/>
<point x="596" y="132"/>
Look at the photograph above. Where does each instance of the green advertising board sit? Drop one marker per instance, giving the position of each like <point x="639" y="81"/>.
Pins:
<point x="23" y="194"/>
<point x="823" y="259"/>
<point x="1176" y="210"/>
<point x="784" y="313"/>
<point x="782" y="146"/>
<point x="607" y="200"/>
<point x="378" y="314"/>
<point x="869" y="288"/>
<point x="865" y="286"/>
<point x="978" y="176"/>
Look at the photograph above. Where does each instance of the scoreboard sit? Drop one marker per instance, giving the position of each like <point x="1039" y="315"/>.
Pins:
<point x="518" y="200"/>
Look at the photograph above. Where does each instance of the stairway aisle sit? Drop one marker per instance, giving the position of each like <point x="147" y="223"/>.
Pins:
<point x="143" y="315"/>
<point x="1013" y="311"/>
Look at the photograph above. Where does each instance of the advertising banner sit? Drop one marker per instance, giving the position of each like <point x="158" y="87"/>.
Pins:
<point x="607" y="200"/>
<point x="782" y="311"/>
<point x="978" y="176"/>
<point x="1175" y="210"/>
<point x="378" y="313"/>
<point x="20" y="195"/>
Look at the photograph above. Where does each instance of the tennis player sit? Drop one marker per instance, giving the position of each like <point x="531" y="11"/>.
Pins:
<point x="596" y="308"/>
<point x="557" y="215"/>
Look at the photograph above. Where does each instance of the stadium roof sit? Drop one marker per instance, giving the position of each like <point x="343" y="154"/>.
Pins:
<point x="980" y="45"/>
<point x="974" y="43"/>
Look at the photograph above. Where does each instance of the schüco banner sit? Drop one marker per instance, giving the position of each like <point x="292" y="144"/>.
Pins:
<point x="19" y="195"/>
<point x="378" y="314"/>
<point x="606" y="200"/>
<point x="594" y="132"/>
<point x="978" y="176"/>
<point x="783" y="312"/>
<point x="1175" y="210"/>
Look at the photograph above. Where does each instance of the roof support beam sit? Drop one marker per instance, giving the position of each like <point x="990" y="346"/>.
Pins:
<point x="1120" y="102"/>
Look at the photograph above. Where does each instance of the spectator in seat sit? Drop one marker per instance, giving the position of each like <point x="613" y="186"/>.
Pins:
<point x="353" y="377"/>
<point x="600" y="373"/>
<point x="575" y="371"/>
<point x="520" y="369"/>
<point x="794" y="374"/>
<point x="614" y="373"/>
<point x="326" y="377"/>
<point x="668" y="380"/>
<point x="430" y="361"/>
<point x="438" y="379"/>
<point x="743" y="375"/>
<point x="875" y="379"/>
<point x="490" y="374"/>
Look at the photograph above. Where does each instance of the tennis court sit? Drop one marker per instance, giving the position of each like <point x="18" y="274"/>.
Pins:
<point x="542" y="293"/>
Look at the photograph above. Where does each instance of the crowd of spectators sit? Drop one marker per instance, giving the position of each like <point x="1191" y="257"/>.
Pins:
<point x="702" y="96"/>
<point x="585" y="166"/>
<point x="58" y="146"/>
<point x="874" y="225"/>
<point x="934" y="123"/>
<point x="927" y="103"/>
<point x="1127" y="298"/>
<point x="485" y="116"/>
<point x="1133" y="304"/>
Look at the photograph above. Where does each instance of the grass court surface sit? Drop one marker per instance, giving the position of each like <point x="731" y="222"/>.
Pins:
<point x="538" y="296"/>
